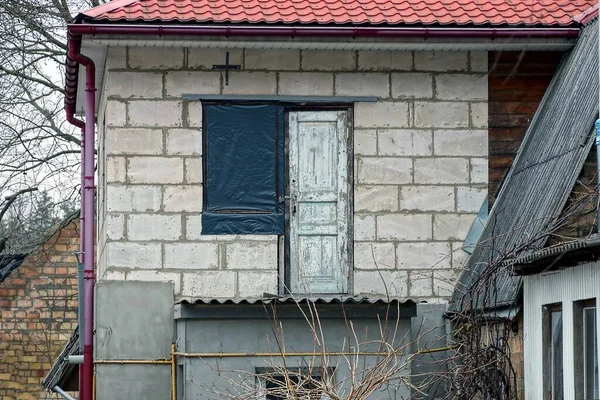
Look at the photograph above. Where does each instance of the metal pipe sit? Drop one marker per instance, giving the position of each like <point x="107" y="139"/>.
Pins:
<point x="322" y="31"/>
<point x="87" y="202"/>
<point x="64" y="394"/>
<point x="173" y="374"/>
<point x="116" y="361"/>
<point x="75" y="359"/>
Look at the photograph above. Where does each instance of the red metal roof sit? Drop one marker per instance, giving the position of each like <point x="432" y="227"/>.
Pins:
<point x="356" y="12"/>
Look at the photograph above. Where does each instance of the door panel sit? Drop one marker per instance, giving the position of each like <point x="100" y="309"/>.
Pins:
<point x="318" y="189"/>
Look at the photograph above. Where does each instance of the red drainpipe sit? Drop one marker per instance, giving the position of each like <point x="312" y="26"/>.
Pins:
<point x="87" y="200"/>
<point x="74" y="58"/>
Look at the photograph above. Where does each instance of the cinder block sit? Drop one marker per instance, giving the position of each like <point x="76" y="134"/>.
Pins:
<point x="479" y="170"/>
<point x="479" y="61"/>
<point x="461" y="143"/>
<point x="470" y="199"/>
<point x="191" y="256"/>
<point x="381" y="283"/>
<point x="384" y="170"/>
<point x="442" y="114"/>
<point x="115" y="113"/>
<point x="156" y="276"/>
<point x="155" y="170"/>
<point x="186" y="198"/>
<point x="156" y="57"/>
<point x="178" y="83"/>
<point x="274" y="60"/>
<point x="364" y="227"/>
<point x="193" y="170"/>
<point x="441" y="170"/>
<point x="420" y="284"/>
<point x="382" y="114"/>
<point x="133" y="255"/>
<point x="251" y="256"/>
<point x="404" y="227"/>
<point x="112" y="275"/>
<point x="461" y="87"/>
<point x="479" y="115"/>
<point x="419" y="85"/>
<point x="404" y="142"/>
<point x="385" y="60"/>
<point x="184" y="142"/>
<point x="129" y="84"/>
<point x="134" y="141"/>
<point x="153" y="227"/>
<point x="375" y="198"/>
<point x="374" y="256"/>
<point x="254" y="83"/>
<point x="216" y="284"/>
<point x="256" y="284"/>
<point x="305" y="84"/>
<point x="444" y="282"/>
<point x="115" y="169"/>
<point x="328" y="60"/>
<point x="133" y="198"/>
<point x="115" y="226"/>
<point x="452" y="226"/>
<point x="441" y="60"/>
<point x="362" y="84"/>
<point x="116" y="58"/>
<point x="460" y="258"/>
<point x="194" y="114"/>
<point x="365" y="142"/>
<point x="155" y="113"/>
<point x="424" y="255"/>
<point x="427" y="198"/>
<point x="206" y="58"/>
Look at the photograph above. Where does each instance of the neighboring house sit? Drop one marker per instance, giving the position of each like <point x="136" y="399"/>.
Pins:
<point x="256" y="160"/>
<point x="38" y="311"/>
<point x="543" y="220"/>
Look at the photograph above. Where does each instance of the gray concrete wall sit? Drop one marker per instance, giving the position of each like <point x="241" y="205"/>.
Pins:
<point x="420" y="156"/>
<point x="134" y="320"/>
<point x="205" y="378"/>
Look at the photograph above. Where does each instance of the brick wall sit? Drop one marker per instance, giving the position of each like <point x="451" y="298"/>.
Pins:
<point x="420" y="165"/>
<point x="38" y="308"/>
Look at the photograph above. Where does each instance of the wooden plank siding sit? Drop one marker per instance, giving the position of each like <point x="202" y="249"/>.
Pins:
<point x="517" y="82"/>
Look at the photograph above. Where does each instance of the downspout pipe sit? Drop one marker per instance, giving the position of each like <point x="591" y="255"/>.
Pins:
<point x="64" y="394"/>
<point x="87" y="206"/>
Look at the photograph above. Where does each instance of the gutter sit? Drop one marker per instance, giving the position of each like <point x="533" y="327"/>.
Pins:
<point x="75" y="58"/>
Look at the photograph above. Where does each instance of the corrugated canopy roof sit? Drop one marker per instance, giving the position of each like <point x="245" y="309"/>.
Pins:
<point x="539" y="182"/>
<point x="356" y="12"/>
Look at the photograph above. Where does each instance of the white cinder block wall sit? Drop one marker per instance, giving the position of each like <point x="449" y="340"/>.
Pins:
<point x="420" y="165"/>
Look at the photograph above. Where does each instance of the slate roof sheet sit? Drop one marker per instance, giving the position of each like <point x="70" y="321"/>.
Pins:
<point x="355" y="12"/>
<point x="538" y="184"/>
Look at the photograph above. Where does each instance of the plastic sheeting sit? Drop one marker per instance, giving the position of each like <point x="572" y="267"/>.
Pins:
<point x="243" y="169"/>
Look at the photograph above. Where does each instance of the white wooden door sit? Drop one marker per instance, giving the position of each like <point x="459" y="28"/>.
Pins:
<point x="318" y="189"/>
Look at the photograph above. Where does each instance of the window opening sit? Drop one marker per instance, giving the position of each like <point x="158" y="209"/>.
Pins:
<point x="553" y="363"/>
<point x="586" y="349"/>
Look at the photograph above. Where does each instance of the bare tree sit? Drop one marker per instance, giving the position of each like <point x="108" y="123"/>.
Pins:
<point x="38" y="148"/>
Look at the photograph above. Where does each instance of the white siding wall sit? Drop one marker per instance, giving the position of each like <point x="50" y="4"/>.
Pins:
<point x="420" y="165"/>
<point x="566" y="286"/>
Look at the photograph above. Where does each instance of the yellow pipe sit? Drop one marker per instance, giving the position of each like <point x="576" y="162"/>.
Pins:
<point x="164" y="361"/>
<point x="173" y="377"/>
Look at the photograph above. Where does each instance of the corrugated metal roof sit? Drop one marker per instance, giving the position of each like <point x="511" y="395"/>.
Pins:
<point x="293" y="299"/>
<point x="61" y="370"/>
<point x="564" y="255"/>
<point x="424" y="12"/>
<point x="8" y="263"/>
<point x="540" y="180"/>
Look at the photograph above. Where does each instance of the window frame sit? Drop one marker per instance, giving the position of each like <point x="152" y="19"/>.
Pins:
<point x="549" y="366"/>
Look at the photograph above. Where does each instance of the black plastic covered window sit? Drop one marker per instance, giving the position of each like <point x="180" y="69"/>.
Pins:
<point x="243" y="169"/>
